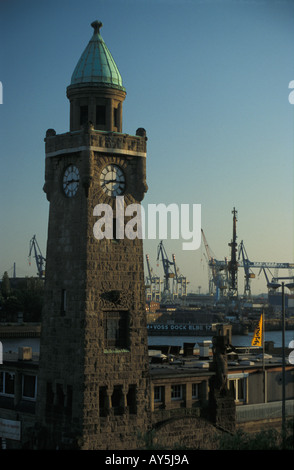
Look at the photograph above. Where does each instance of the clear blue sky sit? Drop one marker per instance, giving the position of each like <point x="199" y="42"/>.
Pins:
<point x="208" y="80"/>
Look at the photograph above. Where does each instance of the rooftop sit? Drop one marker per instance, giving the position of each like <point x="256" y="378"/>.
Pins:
<point x="165" y="365"/>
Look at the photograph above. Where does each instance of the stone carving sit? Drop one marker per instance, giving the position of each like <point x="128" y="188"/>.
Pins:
<point x="115" y="299"/>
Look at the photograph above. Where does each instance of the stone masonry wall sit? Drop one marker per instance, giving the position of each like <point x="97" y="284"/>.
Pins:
<point x="92" y="395"/>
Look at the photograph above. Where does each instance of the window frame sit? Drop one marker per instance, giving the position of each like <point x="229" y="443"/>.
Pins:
<point x="84" y="114"/>
<point x="235" y="379"/>
<point x="115" y="117"/>
<point x="158" y="396"/>
<point x="100" y="115"/>
<point x="176" y="392"/>
<point x="195" y="396"/>
<point x="24" y="397"/>
<point x="119" y="340"/>
<point x="3" y="391"/>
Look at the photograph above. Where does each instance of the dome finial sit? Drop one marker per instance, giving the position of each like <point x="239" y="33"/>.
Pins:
<point x="96" y="25"/>
<point x="96" y="64"/>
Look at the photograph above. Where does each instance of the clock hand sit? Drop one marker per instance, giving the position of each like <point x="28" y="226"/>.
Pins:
<point x="109" y="181"/>
<point x="71" y="181"/>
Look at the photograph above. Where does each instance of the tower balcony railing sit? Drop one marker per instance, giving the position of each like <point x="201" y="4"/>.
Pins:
<point x="97" y="140"/>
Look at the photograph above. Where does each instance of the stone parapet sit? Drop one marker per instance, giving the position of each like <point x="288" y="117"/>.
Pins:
<point x="88" y="138"/>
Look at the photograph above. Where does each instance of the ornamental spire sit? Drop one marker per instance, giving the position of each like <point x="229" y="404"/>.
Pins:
<point x="96" y="25"/>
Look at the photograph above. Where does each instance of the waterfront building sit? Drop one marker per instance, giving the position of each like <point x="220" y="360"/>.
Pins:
<point x="181" y="403"/>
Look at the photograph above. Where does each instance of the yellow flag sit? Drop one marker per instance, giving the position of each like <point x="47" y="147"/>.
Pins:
<point x="257" y="338"/>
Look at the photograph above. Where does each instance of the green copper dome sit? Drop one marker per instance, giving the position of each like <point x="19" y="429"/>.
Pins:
<point x="96" y="64"/>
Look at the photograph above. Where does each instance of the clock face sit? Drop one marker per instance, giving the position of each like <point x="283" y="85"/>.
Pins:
<point x="112" y="180"/>
<point x="71" y="180"/>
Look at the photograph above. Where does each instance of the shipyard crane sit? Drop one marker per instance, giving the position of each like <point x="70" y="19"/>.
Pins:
<point x="269" y="264"/>
<point x="290" y="285"/>
<point x="166" y="264"/>
<point x="149" y="277"/>
<point x="266" y="265"/>
<point x="264" y="272"/>
<point x="153" y="283"/>
<point x="223" y="275"/>
<point x="180" y="281"/>
<point x="263" y="265"/>
<point x="246" y="265"/>
<point x="217" y="271"/>
<point x="233" y="263"/>
<point x="40" y="260"/>
<point x="275" y="280"/>
<point x="211" y="266"/>
<point x="175" y="290"/>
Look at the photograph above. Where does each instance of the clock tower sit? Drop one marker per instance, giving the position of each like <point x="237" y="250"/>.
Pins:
<point x="93" y="384"/>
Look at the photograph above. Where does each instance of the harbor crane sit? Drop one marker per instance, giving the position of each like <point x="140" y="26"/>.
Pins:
<point x="223" y="275"/>
<point x="262" y="265"/>
<point x="153" y="283"/>
<point x="180" y="281"/>
<point x="217" y="282"/>
<point x="265" y="275"/>
<point x="40" y="260"/>
<point x="168" y="274"/>
<point x="233" y="263"/>
<point x="275" y="279"/>
<point x="246" y="265"/>
<point x="244" y="262"/>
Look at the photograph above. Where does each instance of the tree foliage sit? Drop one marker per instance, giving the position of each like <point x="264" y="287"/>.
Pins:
<point x="25" y="299"/>
<point x="5" y="286"/>
<point x="270" y="439"/>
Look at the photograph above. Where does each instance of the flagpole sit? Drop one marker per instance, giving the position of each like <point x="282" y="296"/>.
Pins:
<point x="258" y="340"/>
<point x="263" y="361"/>
<point x="263" y="339"/>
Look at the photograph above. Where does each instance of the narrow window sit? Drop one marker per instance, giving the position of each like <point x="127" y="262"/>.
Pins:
<point x="49" y="396"/>
<point x="231" y="387"/>
<point x="132" y="399"/>
<point x="103" y="411"/>
<point x="241" y="390"/>
<point x="238" y="387"/>
<point x="29" y="387"/>
<point x="158" y="394"/>
<point x="114" y="229"/>
<point x="60" y="395"/>
<point x="83" y="115"/>
<point x="69" y="399"/>
<point x="117" y="400"/>
<point x="7" y="383"/>
<point x="195" y="391"/>
<point x="63" y="301"/>
<point x="100" y="115"/>
<point x="115" y="117"/>
<point x="116" y="329"/>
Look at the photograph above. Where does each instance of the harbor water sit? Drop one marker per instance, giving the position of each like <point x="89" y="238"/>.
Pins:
<point x="237" y="340"/>
<point x="12" y="345"/>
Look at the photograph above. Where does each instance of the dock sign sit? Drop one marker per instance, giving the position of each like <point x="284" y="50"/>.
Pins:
<point x="10" y="429"/>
